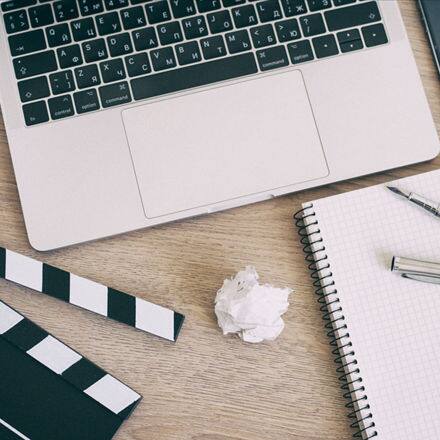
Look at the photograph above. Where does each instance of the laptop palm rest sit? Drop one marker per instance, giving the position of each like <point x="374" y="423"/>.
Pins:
<point x="208" y="147"/>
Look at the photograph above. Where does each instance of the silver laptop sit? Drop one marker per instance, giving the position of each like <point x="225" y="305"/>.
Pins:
<point x="123" y="114"/>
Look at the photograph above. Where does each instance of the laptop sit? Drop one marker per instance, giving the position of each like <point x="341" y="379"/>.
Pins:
<point x="124" y="114"/>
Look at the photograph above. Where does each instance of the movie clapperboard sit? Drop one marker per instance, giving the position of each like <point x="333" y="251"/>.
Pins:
<point x="48" y="391"/>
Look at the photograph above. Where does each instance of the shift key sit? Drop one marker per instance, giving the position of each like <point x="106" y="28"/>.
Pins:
<point x="351" y="16"/>
<point x="36" y="64"/>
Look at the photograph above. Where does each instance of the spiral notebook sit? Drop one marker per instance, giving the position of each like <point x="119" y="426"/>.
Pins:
<point x="385" y="329"/>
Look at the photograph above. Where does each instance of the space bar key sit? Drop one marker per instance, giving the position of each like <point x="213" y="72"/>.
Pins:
<point x="193" y="76"/>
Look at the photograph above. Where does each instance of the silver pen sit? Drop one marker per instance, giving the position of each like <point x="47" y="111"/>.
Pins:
<point x="423" y="202"/>
<point x="418" y="270"/>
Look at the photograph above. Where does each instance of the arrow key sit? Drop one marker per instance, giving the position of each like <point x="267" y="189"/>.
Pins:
<point x="350" y="46"/>
<point x="374" y="35"/>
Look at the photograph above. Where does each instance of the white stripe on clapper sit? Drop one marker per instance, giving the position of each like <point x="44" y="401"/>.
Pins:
<point x="14" y="430"/>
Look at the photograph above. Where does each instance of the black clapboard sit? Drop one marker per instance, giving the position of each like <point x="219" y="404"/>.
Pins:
<point x="50" y="392"/>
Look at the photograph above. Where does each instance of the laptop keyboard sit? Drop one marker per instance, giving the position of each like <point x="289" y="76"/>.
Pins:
<point x="72" y="57"/>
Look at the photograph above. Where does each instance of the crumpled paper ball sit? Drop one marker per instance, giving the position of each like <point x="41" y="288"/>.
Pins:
<point x="251" y="310"/>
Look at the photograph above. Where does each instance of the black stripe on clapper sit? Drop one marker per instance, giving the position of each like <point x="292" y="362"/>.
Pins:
<point x="56" y="282"/>
<point x="25" y="334"/>
<point x="121" y="307"/>
<point x="2" y="262"/>
<point x="178" y="322"/>
<point x="83" y="374"/>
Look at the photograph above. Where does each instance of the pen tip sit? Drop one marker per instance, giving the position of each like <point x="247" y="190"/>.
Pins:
<point x="398" y="191"/>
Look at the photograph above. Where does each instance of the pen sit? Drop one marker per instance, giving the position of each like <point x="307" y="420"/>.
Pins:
<point x="418" y="270"/>
<point x="423" y="202"/>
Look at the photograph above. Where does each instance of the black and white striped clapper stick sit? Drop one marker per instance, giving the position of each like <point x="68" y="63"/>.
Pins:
<point x="49" y="391"/>
<point x="90" y="295"/>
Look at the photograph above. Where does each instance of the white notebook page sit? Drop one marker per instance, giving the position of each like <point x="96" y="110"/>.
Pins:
<point x="394" y="323"/>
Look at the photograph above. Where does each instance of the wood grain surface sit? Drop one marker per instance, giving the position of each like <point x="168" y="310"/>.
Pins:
<point x="208" y="387"/>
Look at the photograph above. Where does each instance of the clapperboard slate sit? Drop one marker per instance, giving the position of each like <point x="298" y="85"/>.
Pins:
<point x="50" y="392"/>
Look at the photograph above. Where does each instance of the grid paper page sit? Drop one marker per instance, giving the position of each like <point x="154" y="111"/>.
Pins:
<point x="394" y="323"/>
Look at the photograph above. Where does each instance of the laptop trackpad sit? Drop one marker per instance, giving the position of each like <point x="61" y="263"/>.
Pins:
<point x="231" y="141"/>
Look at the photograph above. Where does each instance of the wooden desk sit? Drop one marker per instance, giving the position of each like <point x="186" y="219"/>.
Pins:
<point x="208" y="387"/>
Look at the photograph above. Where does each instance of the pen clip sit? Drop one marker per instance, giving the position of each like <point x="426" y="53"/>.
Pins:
<point x="433" y="279"/>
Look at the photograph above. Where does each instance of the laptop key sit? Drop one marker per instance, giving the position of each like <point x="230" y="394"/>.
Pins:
<point x="188" y="53"/>
<point x="119" y="44"/>
<point x="219" y="21"/>
<point x="194" y="76"/>
<point x="58" y="35"/>
<point x="133" y="18"/>
<point x="263" y="35"/>
<point x="115" y="94"/>
<point x="145" y="38"/>
<point x="65" y="10"/>
<point x="272" y="58"/>
<point x="83" y="29"/>
<point x="229" y="3"/>
<point x="195" y="27"/>
<point x="208" y="5"/>
<point x="158" y="12"/>
<point x="35" y="113"/>
<point x="115" y="4"/>
<point x="348" y="35"/>
<point x="244" y="16"/>
<point x="94" y="50"/>
<point x="69" y="56"/>
<point x="34" y="88"/>
<point x="61" y="107"/>
<point x="312" y="25"/>
<point x="351" y="16"/>
<point x="318" y="5"/>
<point x="350" y="46"/>
<point x="16" y="21"/>
<point x="108" y="23"/>
<point x="137" y="64"/>
<point x="183" y="8"/>
<point x="86" y="101"/>
<point x="112" y="70"/>
<point x="238" y="41"/>
<point x="89" y="7"/>
<point x="36" y="64"/>
<point x="15" y="4"/>
<point x="300" y="51"/>
<point x="269" y="10"/>
<point x="87" y="76"/>
<point x="163" y="58"/>
<point x="62" y="82"/>
<point x="293" y="7"/>
<point x="27" y="42"/>
<point x="213" y="47"/>
<point x="41" y="15"/>
<point x="170" y="33"/>
<point x="374" y="35"/>
<point x="288" y="30"/>
<point x="343" y="2"/>
<point x="325" y="46"/>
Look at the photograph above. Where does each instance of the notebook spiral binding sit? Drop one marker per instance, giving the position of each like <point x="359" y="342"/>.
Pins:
<point x="337" y="331"/>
